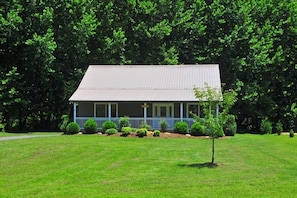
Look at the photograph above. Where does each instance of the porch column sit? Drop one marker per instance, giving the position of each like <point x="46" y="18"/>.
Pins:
<point x="109" y="111"/>
<point x="144" y="112"/>
<point x="74" y="111"/>
<point x="217" y="110"/>
<point x="181" y="108"/>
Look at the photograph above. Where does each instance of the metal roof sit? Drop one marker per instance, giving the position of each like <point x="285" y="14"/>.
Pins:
<point x="145" y="82"/>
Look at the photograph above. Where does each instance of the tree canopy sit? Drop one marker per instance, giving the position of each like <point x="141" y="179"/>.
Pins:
<point x="45" y="47"/>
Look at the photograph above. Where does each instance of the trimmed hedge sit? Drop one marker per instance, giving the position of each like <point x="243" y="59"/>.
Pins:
<point x="198" y="129"/>
<point x="111" y="131"/>
<point x="90" y="126"/>
<point x="72" y="128"/>
<point x="181" y="127"/>
<point x="108" y="125"/>
<point x="230" y="127"/>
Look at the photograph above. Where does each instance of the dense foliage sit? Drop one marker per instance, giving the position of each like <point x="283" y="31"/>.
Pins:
<point x="111" y="131"/>
<point x="45" y="47"/>
<point x="230" y="127"/>
<point x="198" y="129"/>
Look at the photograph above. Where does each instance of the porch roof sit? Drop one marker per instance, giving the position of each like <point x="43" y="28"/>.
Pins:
<point x="145" y="82"/>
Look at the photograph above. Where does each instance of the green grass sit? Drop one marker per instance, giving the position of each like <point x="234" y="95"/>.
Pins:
<point x="100" y="166"/>
<point x="5" y="134"/>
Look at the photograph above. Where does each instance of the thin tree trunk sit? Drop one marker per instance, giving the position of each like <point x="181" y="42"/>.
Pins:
<point x="213" y="149"/>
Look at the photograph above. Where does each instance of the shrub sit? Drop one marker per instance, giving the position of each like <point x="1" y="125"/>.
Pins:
<point x="2" y="128"/>
<point x="291" y="133"/>
<point x="64" y="122"/>
<point x="90" y="126"/>
<point x="156" y="133"/>
<point x="219" y="132"/>
<point x="230" y="127"/>
<point x="145" y="125"/>
<point x="72" y="128"/>
<point x="279" y="128"/>
<point x="181" y="127"/>
<point x="141" y="132"/>
<point x="133" y="130"/>
<point x="164" y="125"/>
<point x="126" y="131"/>
<point x="266" y="126"/>
<point x="198" y="129"/>
<point x="124" y="122"/>
<point x="108" y="125"/>
<point x="111" y="131"/>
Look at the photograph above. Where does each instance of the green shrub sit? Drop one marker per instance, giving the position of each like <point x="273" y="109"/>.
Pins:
<point x="230" y="127"/>
<point x="124" y="122"/>
<point x="198" y="129"/>
<point x="2" y="128"/>
<point x="108" y="125"/>
<point x="126" y="131"/>
<point x="133" y="130"/>
<point x="164" y="125"/>
<point x="181" y="127"/>
<point x="156" y="133"/>
<point x="145" y="125"/>
<point x="111" y="131"/>
<point x="64" y="122"/>
<point x="72" y="128"/>
<point x="292" y="133"/>
<point x="266" y="126"/>
<point x="90" y="126"/>
<point x="219" y="132"/>
<point x="141" y="132"/>
<point x="279" y="128"/>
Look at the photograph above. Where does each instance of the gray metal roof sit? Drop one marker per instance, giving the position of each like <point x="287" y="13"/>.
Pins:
<point x="145" y="82"/>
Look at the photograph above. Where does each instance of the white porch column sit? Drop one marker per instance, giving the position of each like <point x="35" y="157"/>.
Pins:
<point x="181" y="108"/>
<point x="74" y="111"/>
<point x="217" y="110"/>
<point x="145" y="112"/>
<point x="109" y="111"/>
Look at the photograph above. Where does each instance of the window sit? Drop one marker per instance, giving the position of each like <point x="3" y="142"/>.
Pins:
<point x="101" y="110"/>
<point x="163" y="110"/>
<point x="193" y="108"/>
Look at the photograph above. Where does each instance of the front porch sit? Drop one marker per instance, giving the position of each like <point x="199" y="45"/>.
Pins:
<point x="147" y="112"/>
<point x="136" y="122"/>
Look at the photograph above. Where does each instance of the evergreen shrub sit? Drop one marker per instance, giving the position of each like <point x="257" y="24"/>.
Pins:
<point x="72" y="128"/>
<point x="164" y="125"/>
<point x="266" y="126"/>
<point x="90" y="126"/>
<point x="291" y="133"/>
<point x="141" y="132"/>
<point x="230" y="127"/>
<point x="145" y="125"/>
<point x="156" y="133"/>
<point x="124" y="122"/>
<point x="181" y="127"/>
<point x="279" y="128"/>
<point x="198" y="129"/>
<point x="111" y="131"/>
<point x="126" y="131"/>
<point x="108" y="125"/>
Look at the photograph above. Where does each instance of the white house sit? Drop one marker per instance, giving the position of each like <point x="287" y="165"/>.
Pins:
<point x="145" y="93"/>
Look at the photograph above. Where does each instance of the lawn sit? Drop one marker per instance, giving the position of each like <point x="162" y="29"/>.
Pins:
<point x="100" y="166"/>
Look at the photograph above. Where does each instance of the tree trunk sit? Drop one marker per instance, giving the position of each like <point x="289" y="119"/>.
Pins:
<point x="213" y="149"/>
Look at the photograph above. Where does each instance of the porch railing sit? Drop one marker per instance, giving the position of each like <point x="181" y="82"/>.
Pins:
<point x="136" y="122"/>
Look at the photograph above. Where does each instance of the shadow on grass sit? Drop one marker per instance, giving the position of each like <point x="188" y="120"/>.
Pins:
<point x="201" y="165"/>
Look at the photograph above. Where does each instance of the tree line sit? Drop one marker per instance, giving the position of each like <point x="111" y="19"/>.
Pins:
<point x="46" y="46"/>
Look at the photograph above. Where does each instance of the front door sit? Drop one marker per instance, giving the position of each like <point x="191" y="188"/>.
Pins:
<point x="162" y="111"/>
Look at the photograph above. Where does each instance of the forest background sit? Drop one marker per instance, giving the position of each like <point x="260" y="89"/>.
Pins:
<point x="46" y="46"/>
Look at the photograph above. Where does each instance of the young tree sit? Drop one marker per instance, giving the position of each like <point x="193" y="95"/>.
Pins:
<point x="208" y="98"/>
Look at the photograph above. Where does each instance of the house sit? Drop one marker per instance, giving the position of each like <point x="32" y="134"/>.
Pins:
<point x="145" y="93"/>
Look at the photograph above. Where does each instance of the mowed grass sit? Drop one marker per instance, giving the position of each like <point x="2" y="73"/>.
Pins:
<point x="100" y="166"/>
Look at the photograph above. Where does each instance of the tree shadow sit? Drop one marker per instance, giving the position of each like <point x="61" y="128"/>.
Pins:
<point x="201" y="165"/>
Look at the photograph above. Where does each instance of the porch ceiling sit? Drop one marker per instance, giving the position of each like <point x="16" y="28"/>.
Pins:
<point x="145" y="82"/>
